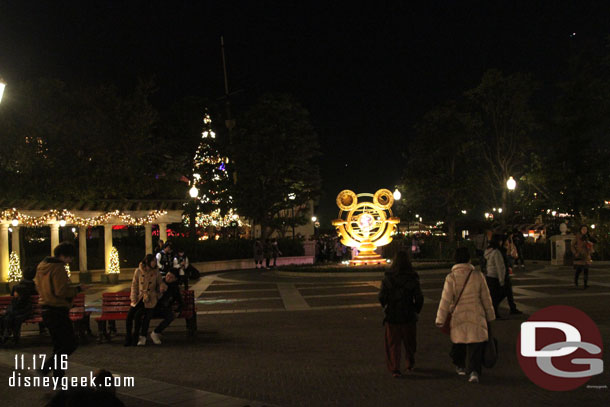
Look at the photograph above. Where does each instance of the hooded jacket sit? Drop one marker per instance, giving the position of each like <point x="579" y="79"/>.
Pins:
<point x="401" y="297"/>
<point x="53" y="284"/>
<point x="146" y="286"/>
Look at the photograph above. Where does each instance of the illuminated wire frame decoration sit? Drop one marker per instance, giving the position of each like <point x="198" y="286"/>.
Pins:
<point x="366" y="222"/>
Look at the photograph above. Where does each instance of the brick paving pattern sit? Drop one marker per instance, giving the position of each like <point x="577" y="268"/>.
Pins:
<point x="320" y="342"/>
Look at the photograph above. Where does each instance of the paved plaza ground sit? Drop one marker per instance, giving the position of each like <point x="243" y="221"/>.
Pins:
<point x="278" y="340"/>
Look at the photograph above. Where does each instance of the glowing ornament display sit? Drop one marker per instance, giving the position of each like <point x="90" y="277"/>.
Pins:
<point x="14" y="269"/>
<point x="366" y="222"/>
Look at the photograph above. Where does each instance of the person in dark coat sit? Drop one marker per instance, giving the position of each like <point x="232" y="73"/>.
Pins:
<point x="20" y="308"/>
<point x="402" y="300"/>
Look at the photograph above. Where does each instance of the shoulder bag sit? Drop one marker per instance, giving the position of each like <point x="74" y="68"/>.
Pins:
<point x="446" y="328"/>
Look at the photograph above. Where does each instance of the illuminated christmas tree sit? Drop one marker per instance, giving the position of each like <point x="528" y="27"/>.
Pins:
<point x="14" y="269"/>
<point x="114" y="267"/>
<point x="211" y="180"/>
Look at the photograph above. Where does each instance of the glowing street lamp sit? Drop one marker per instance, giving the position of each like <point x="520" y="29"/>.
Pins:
<point x="2" y="86"/>
<point x="193" y="192"/>
<point x="397" y="194"/>
<point x="511" y="184"/>
<point x="314" y="219"/>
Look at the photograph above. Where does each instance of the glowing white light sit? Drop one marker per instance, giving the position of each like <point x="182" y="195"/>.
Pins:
<point x="292" y="196"/>
<point x="73" y="230"/>
<point x="2" y="86"/>
<point x="314" y="219"/>
<point x="62" y="223"/>
<point x="193" y="192"/>
<point x="15" y="222"/>
<point x="554" y="213"/>
<point x="500" y="210"/>
<point x="486" y="215"/>
<point x="464" y="212"/>
<point x="196" y="176"/>
<point x="511" y="184"/>
<point x="397" y="194"/>
<point x="592" y="226"/>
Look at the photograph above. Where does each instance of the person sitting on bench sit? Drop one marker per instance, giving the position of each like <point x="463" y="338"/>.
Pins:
<point x="164" y="308"/>
<point x="20" y="308"/>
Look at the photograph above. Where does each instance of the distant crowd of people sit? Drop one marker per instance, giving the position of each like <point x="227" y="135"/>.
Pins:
<point x="267" y="250"/>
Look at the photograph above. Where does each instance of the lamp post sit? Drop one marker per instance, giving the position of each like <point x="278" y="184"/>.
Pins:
<point x="2" y="86"/>
<point x="316" y="224"/>
<point x="511" y="184"/>
<point x="194" y="193"/>
<point x="292" y="196"/>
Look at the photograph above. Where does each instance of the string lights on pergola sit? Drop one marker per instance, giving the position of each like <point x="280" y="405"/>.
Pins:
<point x="67" y="217"/>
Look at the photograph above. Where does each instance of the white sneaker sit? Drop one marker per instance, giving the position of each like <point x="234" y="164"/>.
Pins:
<point x="156" y="338"/>
<point x="142" y="341"/>
<point x="474" y="377"/>
<point x="460" y="371"/>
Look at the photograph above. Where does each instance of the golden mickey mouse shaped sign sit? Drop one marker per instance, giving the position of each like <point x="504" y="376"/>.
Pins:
<point x="366" y="222"/>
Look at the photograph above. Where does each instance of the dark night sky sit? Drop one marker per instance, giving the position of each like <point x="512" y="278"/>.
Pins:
<point x="367" y="73"/>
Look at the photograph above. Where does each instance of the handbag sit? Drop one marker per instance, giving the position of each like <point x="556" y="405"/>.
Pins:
<point x="446" y="328"/>
<point x="490" y="350"/>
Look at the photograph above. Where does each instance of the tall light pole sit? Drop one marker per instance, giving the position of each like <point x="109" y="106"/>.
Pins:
<point x="292" y="196"/>
<point x="511" y="184"/>
<point x="194" y="193"/>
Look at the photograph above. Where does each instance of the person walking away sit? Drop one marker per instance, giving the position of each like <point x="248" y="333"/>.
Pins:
<point x="179" y="267"/>
<point x="20" y="308"/>
<point x="519" y="242"/>
<point x="469" y="329"/>
<point x="258" y="253"/>
<point x="268" y="252"/>
<point x="509" y="252"/>
<point x="165" y="306"/>
<point x="496" y="271"/>
<point x="146" y="287"/>
<point x="402" y="300"/>
<point x="165" y="259"/>
<point x="481" y="243"/>
<point x="275" y="248"/>
<point x="55" y="298"/>
<point x="582" y="248"/>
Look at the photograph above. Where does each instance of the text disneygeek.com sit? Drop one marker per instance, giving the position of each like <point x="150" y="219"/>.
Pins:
<point x="36" y="363"/>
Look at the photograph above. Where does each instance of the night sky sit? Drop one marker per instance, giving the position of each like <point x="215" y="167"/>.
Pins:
<point x="366" y="71"/>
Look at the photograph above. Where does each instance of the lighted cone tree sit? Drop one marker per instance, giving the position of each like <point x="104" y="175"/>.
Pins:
<point x="14" y="269"/>
<point x="114" y="266"/>
<point x="211" y="178"/>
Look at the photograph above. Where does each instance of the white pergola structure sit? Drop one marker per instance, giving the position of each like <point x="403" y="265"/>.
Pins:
<point x="83" y="215"/>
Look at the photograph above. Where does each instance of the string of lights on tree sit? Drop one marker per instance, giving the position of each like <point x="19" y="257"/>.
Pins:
<point x="211" y="178"/>
<point x="114" y="267"/>
<point x="215" y="219"/>
<point x="14" y="269"/>
<point x="66" y="217"/>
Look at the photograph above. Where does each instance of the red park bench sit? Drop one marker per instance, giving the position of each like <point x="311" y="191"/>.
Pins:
<point x="78" y="315"/>
<point x="115" y="307"/>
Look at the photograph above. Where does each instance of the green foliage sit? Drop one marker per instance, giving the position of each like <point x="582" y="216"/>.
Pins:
<point x="273" y="153"/>
<point x="80" y="143"/>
